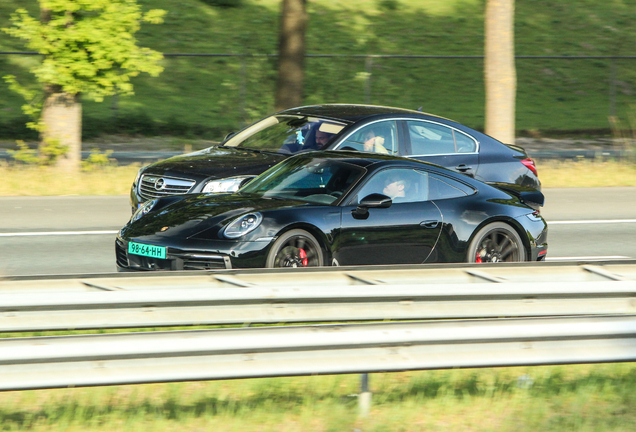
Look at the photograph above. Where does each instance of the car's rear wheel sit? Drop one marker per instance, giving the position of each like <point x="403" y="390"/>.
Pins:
<point x="295" y="248"/>
<point x="496" y="242"/>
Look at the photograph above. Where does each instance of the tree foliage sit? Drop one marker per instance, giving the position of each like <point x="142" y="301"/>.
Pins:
<point x="89" y="46"/>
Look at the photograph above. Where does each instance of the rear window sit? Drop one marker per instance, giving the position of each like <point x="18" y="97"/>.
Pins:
<point x="436" y="139"/>
<point x="441" y="187"/>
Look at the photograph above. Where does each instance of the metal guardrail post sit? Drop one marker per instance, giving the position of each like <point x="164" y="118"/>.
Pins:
<point x="364" y="399"/>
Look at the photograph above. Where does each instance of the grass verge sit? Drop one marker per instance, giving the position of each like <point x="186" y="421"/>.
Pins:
<point x="46" y="181"/>
<point x="586" y="173"/>
<point x="116" y="180"/>
<point x="551" y="398"/>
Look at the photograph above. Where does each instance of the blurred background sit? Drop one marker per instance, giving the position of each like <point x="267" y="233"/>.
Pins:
<point x="576" y="74"/>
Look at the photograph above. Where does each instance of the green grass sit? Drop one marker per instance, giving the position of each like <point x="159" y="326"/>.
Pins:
<point x="202" y="96"/>
<point x="560" y="398"/>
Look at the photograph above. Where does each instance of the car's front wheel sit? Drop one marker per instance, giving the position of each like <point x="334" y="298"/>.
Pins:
<point x="496" y="242"/>
<point x="295" y="248"/>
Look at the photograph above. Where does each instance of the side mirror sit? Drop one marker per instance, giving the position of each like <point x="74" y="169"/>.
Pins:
<point x="374" y="200"/>
<point x="246" y="180"/>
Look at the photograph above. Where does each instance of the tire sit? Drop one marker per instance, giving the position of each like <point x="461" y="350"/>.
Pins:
<point x="295" y="248"/>
<point x="496" y="242"/>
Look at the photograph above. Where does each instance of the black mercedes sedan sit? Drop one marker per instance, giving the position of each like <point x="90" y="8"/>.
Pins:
<point x="336" y="208"/>
<point x="364" y="128"/>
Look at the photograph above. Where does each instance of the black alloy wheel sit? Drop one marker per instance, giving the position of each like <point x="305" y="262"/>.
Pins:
<point x="496" y="242"/>
<point x="295" y="248"/>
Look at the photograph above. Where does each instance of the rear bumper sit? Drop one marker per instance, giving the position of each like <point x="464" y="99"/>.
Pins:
<point x="536" y="229"/>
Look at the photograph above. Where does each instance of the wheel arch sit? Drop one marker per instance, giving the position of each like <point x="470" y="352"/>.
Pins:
<point x="509" y="221"/>
<point x="318" y="234"/>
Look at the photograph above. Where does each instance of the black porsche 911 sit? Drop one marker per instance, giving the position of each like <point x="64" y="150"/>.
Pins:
<point x="336" y="208"/>
<point x="364" y="128"/>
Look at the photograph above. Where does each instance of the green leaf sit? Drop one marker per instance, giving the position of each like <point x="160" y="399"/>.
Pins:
<point x="88" y="46"/>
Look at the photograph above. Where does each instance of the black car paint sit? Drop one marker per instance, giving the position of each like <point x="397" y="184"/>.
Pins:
<point x="194" y="223"/>
<point x="211" y="163"/>
<point x="494" y="162"/>
<point x="400" y="232"/>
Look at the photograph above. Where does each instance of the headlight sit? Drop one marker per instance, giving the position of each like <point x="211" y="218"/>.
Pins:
<point x="230" y="184"/>
<point x="136" y="181"/>
<point x="143" y="209"/>
<point x="243" y="225"/>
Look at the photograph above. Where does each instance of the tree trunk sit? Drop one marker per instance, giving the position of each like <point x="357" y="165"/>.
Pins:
<point x="291" y="54"/>
<point x="501" y="76"/>
<point x="62" y="118"/>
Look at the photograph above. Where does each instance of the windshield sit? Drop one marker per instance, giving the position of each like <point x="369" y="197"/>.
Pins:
<point x="287" y="134"/>
<point x="309" y="179"/>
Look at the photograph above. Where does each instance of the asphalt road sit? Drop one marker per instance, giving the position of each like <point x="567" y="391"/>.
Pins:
<point x="75" y="234"/>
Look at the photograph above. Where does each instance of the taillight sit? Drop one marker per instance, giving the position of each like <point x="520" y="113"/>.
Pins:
<point x="529" y="163"/>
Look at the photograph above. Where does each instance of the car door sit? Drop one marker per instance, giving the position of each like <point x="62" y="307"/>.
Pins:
<point x="441" y="145"/>
<point x="404" y="233"/>
<point x="453" y="198"/>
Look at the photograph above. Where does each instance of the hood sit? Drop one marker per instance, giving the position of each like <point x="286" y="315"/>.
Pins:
<point x="217" y="162"/>
<point x="190" y="216"/>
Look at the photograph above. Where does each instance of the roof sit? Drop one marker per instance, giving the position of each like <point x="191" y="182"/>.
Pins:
<point x="350" y="112"/>
<point x="364" y="159"/>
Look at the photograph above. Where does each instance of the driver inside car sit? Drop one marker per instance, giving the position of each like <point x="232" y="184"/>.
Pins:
<point x="374" y="142"/>
<point x="322" y="138"/>
<point x="394" y="188"/>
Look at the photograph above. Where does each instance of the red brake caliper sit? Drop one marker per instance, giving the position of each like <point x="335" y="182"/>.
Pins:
<point x="303" y="256"/>
<point x="478" y="259"/>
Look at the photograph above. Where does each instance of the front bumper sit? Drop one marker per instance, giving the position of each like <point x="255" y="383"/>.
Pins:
<point x="194" y="257"/>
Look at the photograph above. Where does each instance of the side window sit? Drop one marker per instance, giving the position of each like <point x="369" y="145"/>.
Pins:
<point x="464" y="143"/>
<point x="441" y="187"/>
<point x="380" y="137"/>
<point x="435" y="139"/>
<point x="401" y="185"/>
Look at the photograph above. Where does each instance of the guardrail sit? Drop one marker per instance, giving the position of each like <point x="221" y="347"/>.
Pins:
<point x="365" y="294"/>
<point x="183" y="307"/>
<point x="35" y="363"/>
<point x="537" y="290"/>
<point x="538" y="273"/>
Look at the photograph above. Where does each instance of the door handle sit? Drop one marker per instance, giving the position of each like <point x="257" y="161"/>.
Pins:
<point x="429" y="224"/>
<point x="463" y="167"/>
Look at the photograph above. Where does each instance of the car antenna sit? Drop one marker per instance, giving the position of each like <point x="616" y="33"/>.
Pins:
<point x="420" y="108"/>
